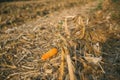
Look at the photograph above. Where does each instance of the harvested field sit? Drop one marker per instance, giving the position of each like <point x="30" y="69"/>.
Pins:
<point x="67" y="40"/>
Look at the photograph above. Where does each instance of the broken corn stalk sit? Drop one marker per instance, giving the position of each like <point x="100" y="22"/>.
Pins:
<point x="49" y="54"/>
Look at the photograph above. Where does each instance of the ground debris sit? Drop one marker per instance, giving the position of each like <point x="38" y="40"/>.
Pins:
<point x="87" y="46"/>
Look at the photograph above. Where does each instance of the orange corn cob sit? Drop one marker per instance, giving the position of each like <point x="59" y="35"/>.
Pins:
<point x="49" y="54"/>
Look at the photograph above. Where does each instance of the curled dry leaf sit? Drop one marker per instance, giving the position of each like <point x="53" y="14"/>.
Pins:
<point x="49" y="54"/>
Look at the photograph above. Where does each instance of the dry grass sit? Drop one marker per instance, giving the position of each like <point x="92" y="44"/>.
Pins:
<point x="88" y="49"/>
<point x="17" y="13"/>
